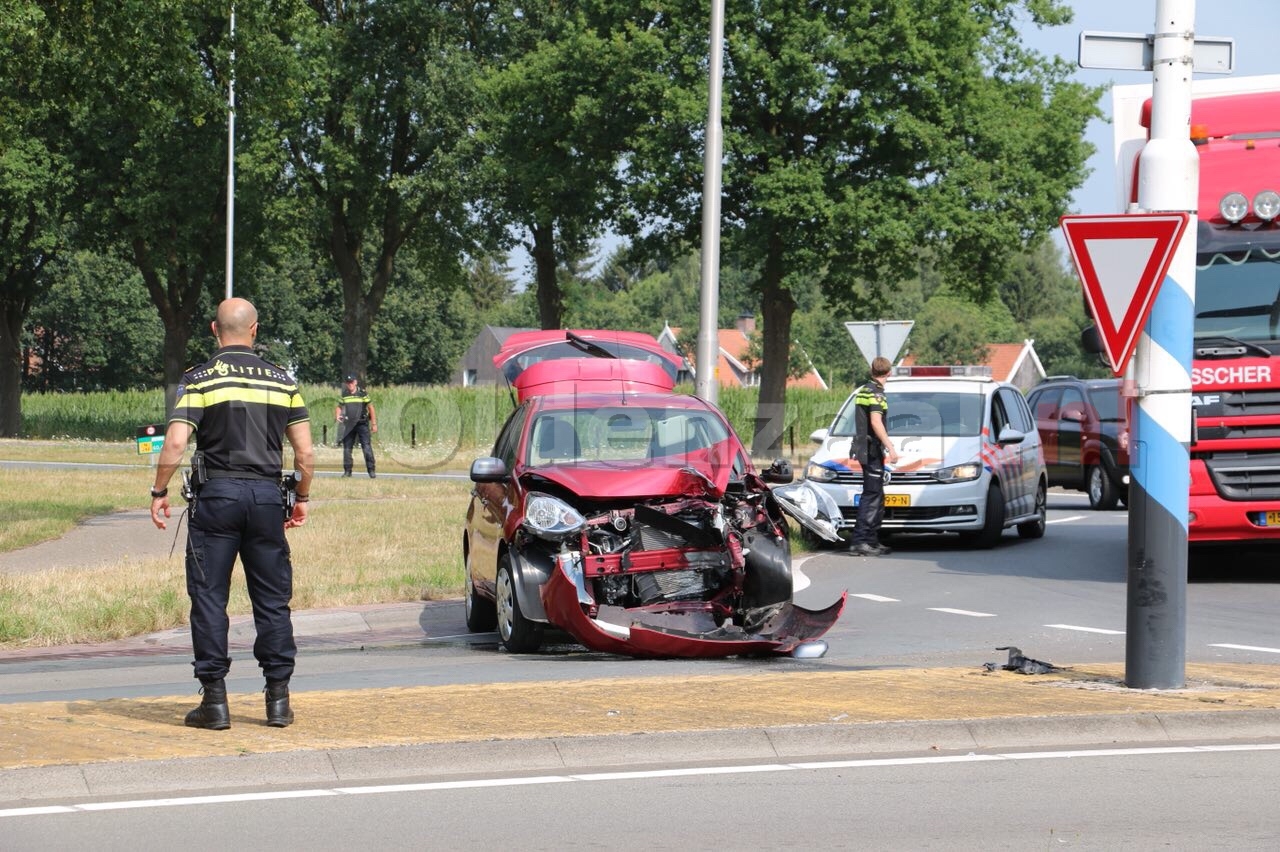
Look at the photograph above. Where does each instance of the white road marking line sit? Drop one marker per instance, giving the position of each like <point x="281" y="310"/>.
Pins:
<point x="1087" y="629"/>
<point x="963" y="612"/>
<point x="876" y="598"/>
<point x="1245" y="648"/>
<point x="605" y="777"/>
<point x="1066" y="519"/>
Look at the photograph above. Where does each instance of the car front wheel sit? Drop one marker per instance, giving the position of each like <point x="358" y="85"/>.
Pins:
<point x="1103" y="495"/>
<point x="994" y="526"/>
<point x="1035" y="528"/>
<point x="519" y="635"/>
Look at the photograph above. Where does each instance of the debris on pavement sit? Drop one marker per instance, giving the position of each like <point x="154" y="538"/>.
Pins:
<point x="1018" y="662"/>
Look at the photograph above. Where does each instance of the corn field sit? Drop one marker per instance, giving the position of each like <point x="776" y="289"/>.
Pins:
<point x="429" y="426"/>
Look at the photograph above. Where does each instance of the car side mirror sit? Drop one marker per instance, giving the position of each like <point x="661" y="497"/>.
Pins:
<point x="779" y="473"/>
<point x="1075" y="414"/>
<point x="1010" y="435"/>
<point x="488" y="469"/>
<point x="819" y="435"/>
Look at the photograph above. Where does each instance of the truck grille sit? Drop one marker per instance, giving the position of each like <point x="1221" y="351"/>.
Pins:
<point x="1245" y="476"/>
<point x="1254" y="403"/>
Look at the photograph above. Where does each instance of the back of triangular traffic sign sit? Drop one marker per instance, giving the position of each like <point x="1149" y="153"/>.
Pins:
<point x="880" y="337"/>
<point x="1121" y="260"/>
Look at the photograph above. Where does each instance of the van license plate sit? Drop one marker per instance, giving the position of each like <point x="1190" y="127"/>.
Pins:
<point x="897" y="501"/>
<point x="1271" y="519"/>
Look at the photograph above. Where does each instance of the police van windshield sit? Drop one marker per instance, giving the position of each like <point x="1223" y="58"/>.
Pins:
<point x="1238" y="295"/>
<point x="925" y="414"/>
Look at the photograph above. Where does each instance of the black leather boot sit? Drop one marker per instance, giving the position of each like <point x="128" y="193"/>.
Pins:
<point x="278" y="713"/>
<point x="212" y="713"/>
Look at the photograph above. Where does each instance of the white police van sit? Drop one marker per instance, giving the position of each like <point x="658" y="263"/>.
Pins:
<point x="969" y="460"/>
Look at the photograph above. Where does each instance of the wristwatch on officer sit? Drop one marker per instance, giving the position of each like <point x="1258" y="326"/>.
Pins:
<point x="157" y="493"/>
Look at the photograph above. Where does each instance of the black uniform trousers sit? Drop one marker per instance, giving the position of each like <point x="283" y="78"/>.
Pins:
<point x="358" y="431"/>
<point x="870" y="504"/>
<point x="245" y="517"/>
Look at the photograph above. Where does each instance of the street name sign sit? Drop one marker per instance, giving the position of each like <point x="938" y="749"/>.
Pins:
<point x="1136" y="52"/>
<point x="1121" y="260"/>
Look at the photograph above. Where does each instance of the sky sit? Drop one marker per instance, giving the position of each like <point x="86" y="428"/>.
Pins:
<point x="1254" y="24"/>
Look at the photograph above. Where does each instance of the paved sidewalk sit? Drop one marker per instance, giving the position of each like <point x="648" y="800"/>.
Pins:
<point x="139" y="745"/>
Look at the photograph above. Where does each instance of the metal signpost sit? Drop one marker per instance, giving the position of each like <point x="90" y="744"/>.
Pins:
<point x="706" y="382"/>
<point x="1155" y="637"/>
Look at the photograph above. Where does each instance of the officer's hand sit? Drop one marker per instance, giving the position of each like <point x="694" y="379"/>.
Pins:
<point x="159" y="506"/>
<point x="893" y="456"/>
<point x="373" y="427"/>
<point x="299" y="516"/>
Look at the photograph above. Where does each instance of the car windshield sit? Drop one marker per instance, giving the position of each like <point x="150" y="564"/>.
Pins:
<point x="927" y="414"/>
<point x="656" y="435"/>
<point x="562" y="349"/>
<point x="1238" y="295"/>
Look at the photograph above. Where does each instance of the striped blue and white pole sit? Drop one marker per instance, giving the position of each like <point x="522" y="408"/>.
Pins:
<point x="1160" y="460"/>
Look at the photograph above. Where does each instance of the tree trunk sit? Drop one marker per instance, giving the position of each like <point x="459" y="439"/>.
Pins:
<point x="177" y="300"/>
<point x="360" y="309"/>
<point x="777" y="308"/>
<point x="12" y="317"/>
<point x="550" y="299"/>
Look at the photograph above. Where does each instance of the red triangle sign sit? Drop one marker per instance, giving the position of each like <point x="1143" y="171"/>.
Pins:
<point x="1121" y="260"/>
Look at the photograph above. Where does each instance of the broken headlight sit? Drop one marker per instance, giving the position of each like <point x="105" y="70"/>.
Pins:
<point x="551" y="518"/>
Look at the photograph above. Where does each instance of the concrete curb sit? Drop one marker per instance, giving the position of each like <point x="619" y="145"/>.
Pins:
<point x="440" y="761"/>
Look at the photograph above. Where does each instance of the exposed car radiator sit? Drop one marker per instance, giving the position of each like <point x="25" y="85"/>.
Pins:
<point x="670" y="585"/>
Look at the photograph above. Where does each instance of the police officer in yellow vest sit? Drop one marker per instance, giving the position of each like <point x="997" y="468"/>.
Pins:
<point x="240" y="408"/>
<point x="355" y="412"/>
<point x="871" y="446"/>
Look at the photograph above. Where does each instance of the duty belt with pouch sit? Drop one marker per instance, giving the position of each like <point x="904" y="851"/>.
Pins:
<point x="194" y="478"/>
<point x="199" y="475"/>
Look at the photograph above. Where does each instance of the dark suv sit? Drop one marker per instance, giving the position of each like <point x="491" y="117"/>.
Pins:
<point x="1084" y="428"/>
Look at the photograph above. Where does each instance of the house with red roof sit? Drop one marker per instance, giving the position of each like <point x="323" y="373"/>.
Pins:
<point x="733" y="366"/>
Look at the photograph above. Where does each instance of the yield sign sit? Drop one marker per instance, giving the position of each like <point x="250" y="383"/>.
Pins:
<point x="1121" y="260"/>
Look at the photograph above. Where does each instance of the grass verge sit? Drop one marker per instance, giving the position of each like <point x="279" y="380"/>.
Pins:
<point x="367" y="541"/>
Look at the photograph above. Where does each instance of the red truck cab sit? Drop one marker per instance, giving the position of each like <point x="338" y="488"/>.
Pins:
<point x="1235" y="370"/>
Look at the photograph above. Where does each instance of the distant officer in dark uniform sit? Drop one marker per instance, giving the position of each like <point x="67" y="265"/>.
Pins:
<point x="240" y="407"/>
<point x="356" y="413"/>
<point x="871" y="446"/>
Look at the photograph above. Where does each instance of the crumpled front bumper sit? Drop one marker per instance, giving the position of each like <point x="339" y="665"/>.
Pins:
<point x="640" y="633"/>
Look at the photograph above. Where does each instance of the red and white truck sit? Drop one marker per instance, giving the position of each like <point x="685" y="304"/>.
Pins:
<point x="1235" y="374"/>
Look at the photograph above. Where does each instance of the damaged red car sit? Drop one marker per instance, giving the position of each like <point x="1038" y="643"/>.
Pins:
<point x="628" y="516"/>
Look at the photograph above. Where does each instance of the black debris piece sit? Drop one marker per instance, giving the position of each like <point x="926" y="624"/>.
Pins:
<point x="1018" y="662"/>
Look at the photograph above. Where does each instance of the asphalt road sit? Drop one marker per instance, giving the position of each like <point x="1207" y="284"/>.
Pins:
<point x="404" y="691"/>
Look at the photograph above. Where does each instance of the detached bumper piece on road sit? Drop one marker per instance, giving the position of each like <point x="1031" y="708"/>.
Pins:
<point x="638" y="633"/>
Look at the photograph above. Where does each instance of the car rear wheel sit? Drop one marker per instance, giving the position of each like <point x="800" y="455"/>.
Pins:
<point x="994" y="526"/>
<point x="1103" y="495"/>
<point x="482" y="615"/>
<point x="519" y="635"/>
<point x="1035" y="528"/>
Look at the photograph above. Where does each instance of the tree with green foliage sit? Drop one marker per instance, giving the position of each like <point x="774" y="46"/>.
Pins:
<point x="154" y="76"/>
<point x="573" y="81"/>
<point x="858" y="133"/>
<point x="373" y="112"/>
<point x="37" y="182"/>
<point x="94" y="328"/>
